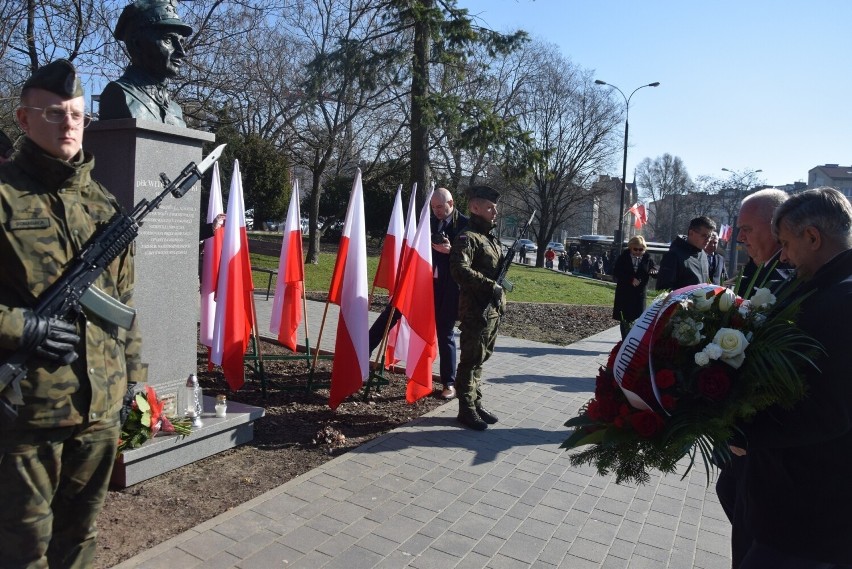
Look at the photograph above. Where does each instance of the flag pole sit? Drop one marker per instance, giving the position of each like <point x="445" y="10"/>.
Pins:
<point x="319" y="338"/>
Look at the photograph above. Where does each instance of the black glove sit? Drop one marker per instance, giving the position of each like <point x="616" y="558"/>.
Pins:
<point x="52" y="339"/>
<point x="497" y="294"/>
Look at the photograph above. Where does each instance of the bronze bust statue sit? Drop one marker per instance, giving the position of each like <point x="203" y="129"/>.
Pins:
<point x="153" y="33"/>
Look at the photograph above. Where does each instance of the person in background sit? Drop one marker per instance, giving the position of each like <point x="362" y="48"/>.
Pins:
<point x="474" y="261"/>
<point x="715" y="261"/>
<point x="549" y="255"/>
<point x="798" y="459"/>
<point x="685" y="263"/>
<point x="446" y="223"/>
<point x="754" y="223"/>
<point x="633" y="268"/>
<point x="577" y="262"/>
<point x="57" y="454"/>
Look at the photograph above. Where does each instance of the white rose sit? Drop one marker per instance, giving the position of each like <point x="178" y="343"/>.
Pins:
<point x="713" y="351"/>
<point x="733" y="344"/>
<point x="700" y="300"/>
<point x="762" y="297"/>
<point x="726" y="300"/>
<point x="701" y="359"/>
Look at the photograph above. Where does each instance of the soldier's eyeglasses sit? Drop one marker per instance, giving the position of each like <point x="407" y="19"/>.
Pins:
<point x="56" y="115"/>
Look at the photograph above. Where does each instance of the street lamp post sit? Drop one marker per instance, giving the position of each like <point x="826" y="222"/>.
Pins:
<point x="618" y="239"/>
<point x="746" y="176"/>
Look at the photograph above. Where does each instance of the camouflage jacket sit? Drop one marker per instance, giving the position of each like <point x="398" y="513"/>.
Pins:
<point x="48" y="210"/>
<point x="474" y="260"/>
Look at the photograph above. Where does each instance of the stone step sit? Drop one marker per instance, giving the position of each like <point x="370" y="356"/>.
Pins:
<point x="167" y="452"/>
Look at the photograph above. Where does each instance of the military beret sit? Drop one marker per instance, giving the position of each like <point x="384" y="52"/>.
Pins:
<point x="144" y="13"/>
<point x="483" y="192"/>
<point x="58" y="77"/>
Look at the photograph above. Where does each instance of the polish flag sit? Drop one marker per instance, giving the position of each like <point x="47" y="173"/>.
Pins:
<point x="415" y="285"/>
<point x="726" y="232"/>
<point x="386" y="273"/>
<point x="210" y="266"/>
<point x="287" y="306"/>
<point x="234" y="290"/>
<point x="349" y="290"/>
<point x="400" y="334"/>
<point x="640" y="215"/>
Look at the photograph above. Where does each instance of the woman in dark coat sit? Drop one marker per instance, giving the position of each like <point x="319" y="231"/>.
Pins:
<point x="632" y="270"/>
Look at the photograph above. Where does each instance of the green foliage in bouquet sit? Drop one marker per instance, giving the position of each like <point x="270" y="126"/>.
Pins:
<point x="146" y="419"/>
<point x="715" y="360"/>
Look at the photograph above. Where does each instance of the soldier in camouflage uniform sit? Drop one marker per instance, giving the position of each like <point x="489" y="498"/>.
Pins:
<point x="56" y="457"/>
<point x="474" y="260"/>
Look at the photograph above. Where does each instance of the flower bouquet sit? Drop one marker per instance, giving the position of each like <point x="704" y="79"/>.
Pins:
<point x="146" y="419"/>
<point x="697" y="362"/>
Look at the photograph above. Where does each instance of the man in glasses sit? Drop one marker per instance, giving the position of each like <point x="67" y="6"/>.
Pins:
<point x="685" y="263"/>
<point x="56" y="455"/>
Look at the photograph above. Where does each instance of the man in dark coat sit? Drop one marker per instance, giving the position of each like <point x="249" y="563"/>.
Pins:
<point x="446" y="223"/>
<point x="685" y="263"/>
<point x="633" y="268"/>
<point x="754" y="224"/>
<point x="715" y="261"/>
<point x="799" y="467"/>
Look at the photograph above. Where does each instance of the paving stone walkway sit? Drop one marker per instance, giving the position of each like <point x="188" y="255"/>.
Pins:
<point x="431" y="494"/>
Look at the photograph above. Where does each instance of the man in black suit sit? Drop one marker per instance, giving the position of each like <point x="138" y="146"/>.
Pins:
<point x="754" y="222"/>
<point x="715" y="261"/>
<point x="446" y="223"/>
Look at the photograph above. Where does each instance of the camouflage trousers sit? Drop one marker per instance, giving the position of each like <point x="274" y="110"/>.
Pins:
<point x="476" y="343"/>
<point x="53" y="483"/>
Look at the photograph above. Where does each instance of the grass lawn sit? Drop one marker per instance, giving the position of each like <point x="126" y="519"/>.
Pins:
<point x="532" y="284"/>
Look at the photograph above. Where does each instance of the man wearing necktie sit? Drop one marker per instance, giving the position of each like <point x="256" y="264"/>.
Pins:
<point x="715" y="261"/>
<point x="446" y="223"/>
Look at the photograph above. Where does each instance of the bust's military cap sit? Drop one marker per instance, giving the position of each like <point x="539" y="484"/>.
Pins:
<point x="143" y="13"/>
<point x="59" y="77"/>
<point x="483" y="192"/>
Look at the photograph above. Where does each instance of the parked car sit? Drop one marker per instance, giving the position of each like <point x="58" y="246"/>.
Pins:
<point x="528" y="244"/>
<point x="556" y="246"/>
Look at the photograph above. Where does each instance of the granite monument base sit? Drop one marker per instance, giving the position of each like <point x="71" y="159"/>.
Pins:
<point x="167" y="452"/>
<point x="129" y="156"/>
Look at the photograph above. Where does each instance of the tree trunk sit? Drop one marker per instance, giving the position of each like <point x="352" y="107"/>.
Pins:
<point x="420" y="170"/>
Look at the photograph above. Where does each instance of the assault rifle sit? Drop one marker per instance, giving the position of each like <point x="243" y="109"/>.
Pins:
<point x="66" y="297"/>
<point x="506" y="261"/>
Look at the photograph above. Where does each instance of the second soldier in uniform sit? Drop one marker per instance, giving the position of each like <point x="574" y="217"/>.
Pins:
<point x="474" y="264"/>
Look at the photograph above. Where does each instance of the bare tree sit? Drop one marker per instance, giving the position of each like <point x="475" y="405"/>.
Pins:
<point x="569" y="123"/>
<point x="664" y="181"/>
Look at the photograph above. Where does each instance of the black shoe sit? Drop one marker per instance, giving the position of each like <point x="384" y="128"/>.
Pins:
<point x="469" y="418"/>
<point x="486" y="415"/>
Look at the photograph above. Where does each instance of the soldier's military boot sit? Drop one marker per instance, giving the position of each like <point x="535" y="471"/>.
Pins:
<point x="469" y="418"/>
<point x="486" y="415"/>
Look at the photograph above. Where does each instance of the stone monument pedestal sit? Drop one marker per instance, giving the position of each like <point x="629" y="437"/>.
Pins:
<point x="129" y="156"/>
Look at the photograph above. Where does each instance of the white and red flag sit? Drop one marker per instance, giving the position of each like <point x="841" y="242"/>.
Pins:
<point x="389" y="261"/>
<point x="415" y="285"/>
<point x="639" y="214"/>
<point x="400" y="334"/>
<point x="234" y="290"/>
<point x="210" y="265"/>
<point x="349" y="290"/>
<point x="725" y="232"/>
<point x="287" y="306"/>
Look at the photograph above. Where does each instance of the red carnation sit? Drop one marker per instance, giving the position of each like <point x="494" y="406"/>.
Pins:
<point x="665" y="348"/>
<point x="668" y="402"/>
<point x="646" y="423"/>
<point x="714" y="382"/>
<point x="610" y="363"/>
<point x="664" y="378"/>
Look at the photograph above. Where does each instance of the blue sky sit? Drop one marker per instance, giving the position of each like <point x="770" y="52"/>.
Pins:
<point x="745" y="84"/>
